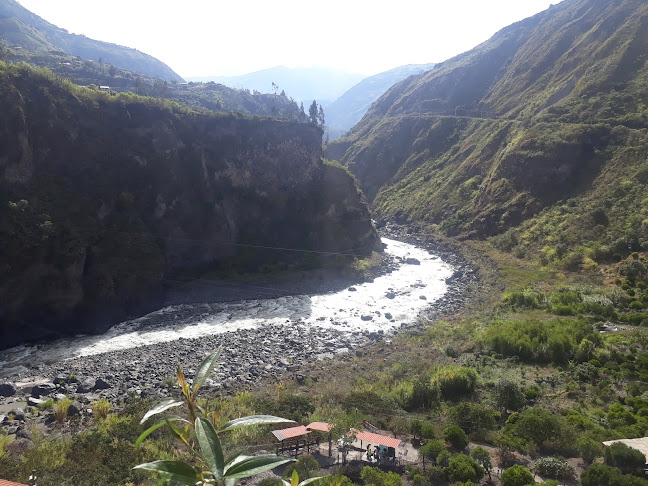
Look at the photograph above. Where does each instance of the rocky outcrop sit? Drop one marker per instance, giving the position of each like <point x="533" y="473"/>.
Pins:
<point x="104" y="200"/>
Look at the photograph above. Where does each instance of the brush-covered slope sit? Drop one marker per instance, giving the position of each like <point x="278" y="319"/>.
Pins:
<point x="21" y="28"/>
<point x="103" y="198"/>
<point x="199" y="96"/>
<point x="552" y="108"/>
<point x="349" y="108"/>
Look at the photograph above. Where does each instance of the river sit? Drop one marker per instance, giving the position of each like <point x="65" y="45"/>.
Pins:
<point x="386" y="303"/>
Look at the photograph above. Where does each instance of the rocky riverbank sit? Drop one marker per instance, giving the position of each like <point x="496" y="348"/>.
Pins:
<point x="250" y="357"/>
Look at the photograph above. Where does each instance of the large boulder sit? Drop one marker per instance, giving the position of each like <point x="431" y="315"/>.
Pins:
<point x="7" y="390"/>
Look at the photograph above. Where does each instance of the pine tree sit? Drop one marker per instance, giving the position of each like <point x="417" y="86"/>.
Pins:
<point x="312" y="113"/>
<point x="320" y="116"/>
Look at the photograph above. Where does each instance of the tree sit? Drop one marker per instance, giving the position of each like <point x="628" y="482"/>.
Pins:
<point x="517" y="476"/>
<point x="432" y="449"/>
<point x="462" y="468"/>
<point x="375" y="477"/>
<point x="302" y="113"/>
<point x="304" y="467"/>
<point x="312" y="113"/>
<point x="320" y="116"/>
<point x="456" y="437"/>
<point x="589" y="449"/>
<point x="473" y="417"/>
<point x="483" y="458"/>
<point x="199" y="432"/>
<point x="508" y="396"/>
<point x="454" y="382"/>
<point x="539" y="425"/>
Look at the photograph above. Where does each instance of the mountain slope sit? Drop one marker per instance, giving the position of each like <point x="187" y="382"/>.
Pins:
<point x="349" y="108"/>
<point x="21" y="28"/>
<point x="551" y="109"/>
<point x="104" y="198"/>
<point x="306" y="84"/>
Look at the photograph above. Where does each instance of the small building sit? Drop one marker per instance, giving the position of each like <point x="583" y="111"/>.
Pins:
<point x="4" y="482"/>
<point x="104" y="88"/>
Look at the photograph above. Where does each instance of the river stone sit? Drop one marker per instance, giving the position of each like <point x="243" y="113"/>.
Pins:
<point x="75" y="409"/>
<point x="7" y="390"/>
<point x="101" y="384"/>
<point x="60" y="379"/>
<point x="18" y="413"/>
<point x="43" y="389"/>
<point x="86" y="385"/>
<point x="34" y="402"/>
<point x="390" y="295"/>
<point x="388" y="315"/>
<point x="23" y="433"/>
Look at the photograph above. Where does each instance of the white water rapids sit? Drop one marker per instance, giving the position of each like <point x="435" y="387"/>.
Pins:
<point x="384" y="304"/>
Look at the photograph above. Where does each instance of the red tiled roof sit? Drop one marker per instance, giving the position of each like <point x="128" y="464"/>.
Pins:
<point x="289" y="433"/>
<point x="322" y="426"/>
<point x="378" y="439"/>
<point x="4" y="482"/>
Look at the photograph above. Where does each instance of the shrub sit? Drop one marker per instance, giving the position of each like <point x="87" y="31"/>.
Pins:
<point x="540" y="426"/>
<point x="473" y="417"/>
<point x="624" y="457"/>
<point x="454" y="382"/>
<point x="375" y="477"/>
<point x="275" y="481"/>
<point x="589" y="449"/>
<point x="508" y="395"/>
<point x="61" y="409"/>
<point x="305" y="466"/>
<point x="517" y="476"/>
<point x="603" y="475"/>
<point x="555" y="468"/>
<point x="292" y="406"/>
<point x="456" y="437"/>
<point x="101" y="408"/>
<point x="431" y="449"/>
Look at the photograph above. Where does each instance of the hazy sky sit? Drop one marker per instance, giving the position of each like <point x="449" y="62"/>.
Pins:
<point x="217" y="37"/>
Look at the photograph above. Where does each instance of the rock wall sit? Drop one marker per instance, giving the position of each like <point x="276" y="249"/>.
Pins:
<point x="105" y="199"/>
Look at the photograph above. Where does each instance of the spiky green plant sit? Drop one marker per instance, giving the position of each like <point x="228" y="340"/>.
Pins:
<point x="200" y="432"/>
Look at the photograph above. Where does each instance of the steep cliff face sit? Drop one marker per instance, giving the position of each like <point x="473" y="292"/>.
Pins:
<point x="104" y="198"/>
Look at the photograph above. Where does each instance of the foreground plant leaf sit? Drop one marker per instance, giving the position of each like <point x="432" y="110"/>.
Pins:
<point x="246" y="466"/>
<point x="160" y="407"/>
<point x="253" y="420"/>
<point x="177" y="471"/>
<point x="210" y="447"/>
<point x="204" y="370"/>
<point x="156" y="426"/>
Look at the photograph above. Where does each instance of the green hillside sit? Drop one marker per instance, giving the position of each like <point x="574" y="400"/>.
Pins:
<point x="542" y="131"/>
<point x="19" y="28"/>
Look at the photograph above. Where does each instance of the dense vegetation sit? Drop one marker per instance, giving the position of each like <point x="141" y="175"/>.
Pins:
<point x="539" y="136"/>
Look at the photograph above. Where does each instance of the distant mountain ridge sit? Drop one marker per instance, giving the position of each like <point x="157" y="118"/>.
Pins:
<point x="306" y="84"/>
<point x="21" y="28"/>
<point x="349" y="108"/>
